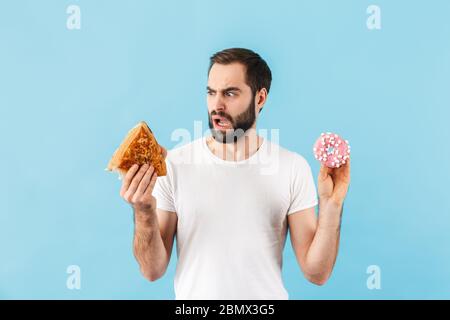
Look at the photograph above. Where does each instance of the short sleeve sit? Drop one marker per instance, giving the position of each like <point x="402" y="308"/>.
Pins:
<point x="163" y="191"/>
<point x="303" y="189"/>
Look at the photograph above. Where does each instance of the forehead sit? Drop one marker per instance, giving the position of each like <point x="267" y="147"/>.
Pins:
<point x="229" y="75"/>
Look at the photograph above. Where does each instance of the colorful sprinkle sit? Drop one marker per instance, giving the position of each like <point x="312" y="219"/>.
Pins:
<point x="331" y="150"/>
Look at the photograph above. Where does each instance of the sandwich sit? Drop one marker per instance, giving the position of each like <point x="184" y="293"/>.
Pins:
<point x="138" y="147"/>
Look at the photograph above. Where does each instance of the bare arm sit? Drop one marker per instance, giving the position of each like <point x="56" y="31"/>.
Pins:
<point x="316" y="241"/>
<point x="154" y="228"/>
<point x="153" y="241"/>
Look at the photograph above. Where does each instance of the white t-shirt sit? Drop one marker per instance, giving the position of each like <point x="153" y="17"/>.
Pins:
<point x="232" y="218"/>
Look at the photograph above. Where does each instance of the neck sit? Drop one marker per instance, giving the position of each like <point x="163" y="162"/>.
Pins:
<point x="242" y="149"/>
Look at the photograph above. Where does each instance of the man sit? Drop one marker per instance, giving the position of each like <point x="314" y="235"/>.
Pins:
<point x="229" y="216"/>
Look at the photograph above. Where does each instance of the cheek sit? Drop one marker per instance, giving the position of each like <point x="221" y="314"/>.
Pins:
<point x="240" y="105"/>
<point x="209" y="104"/>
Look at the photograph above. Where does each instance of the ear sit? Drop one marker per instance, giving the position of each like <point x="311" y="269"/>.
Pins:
<point x="260" y="99"/>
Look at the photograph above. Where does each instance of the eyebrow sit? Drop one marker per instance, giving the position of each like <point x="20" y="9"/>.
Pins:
<point x="224" y="90"/>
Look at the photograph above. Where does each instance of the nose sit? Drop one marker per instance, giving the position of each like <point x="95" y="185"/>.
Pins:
<point x="218" y="104"/>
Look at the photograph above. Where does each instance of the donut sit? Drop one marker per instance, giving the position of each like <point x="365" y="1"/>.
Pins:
<point x="331" y="150"/>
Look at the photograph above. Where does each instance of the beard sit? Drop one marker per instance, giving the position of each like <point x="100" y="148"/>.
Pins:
<point x="240" y="124"/>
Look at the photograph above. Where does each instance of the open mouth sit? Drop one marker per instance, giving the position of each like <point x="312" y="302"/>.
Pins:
<point x="221" y="123"/>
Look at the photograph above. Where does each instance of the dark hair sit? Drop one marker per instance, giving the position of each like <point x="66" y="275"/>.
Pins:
<point x="258" y="72"/>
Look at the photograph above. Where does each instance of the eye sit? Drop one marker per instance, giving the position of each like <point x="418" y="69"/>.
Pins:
<point x="209" y="93"/>
<point x="230" y="94"/>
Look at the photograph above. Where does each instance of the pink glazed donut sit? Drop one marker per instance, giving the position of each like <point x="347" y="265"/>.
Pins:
<point x="331" y="150"/>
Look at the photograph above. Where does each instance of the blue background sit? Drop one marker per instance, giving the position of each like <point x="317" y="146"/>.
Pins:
<point x="68" y="97"/>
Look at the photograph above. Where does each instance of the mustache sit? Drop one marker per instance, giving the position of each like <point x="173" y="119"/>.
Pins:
<point x="221" y="114"/>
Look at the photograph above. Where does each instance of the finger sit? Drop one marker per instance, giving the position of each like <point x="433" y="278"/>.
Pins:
<point x="344" y="171"/>
<point x="145" y="181"/>
<point x="127" y="180"/>
<point x="324" y="172"/>
<point x="136" y="180"/>
<point x="152" y="183"/>
<point x="343" y="180"/>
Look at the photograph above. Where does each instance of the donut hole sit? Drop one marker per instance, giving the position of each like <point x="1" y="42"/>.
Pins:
<point x="330" y="150"/>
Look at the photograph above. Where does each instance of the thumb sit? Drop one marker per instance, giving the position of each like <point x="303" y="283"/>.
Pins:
<point x="152" y="181"/>
<point x="323" y="174"/>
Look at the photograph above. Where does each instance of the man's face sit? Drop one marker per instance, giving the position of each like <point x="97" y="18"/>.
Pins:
<point x="231" y="104"/>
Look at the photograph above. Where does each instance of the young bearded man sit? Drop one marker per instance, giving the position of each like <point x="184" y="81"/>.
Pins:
<point x="230" y="215"/>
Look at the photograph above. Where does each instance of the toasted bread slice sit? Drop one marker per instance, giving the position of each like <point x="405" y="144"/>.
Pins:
<point x="138" y="147"/>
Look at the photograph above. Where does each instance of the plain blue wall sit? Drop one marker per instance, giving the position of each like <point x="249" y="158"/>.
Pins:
<point x="68" y="97"/>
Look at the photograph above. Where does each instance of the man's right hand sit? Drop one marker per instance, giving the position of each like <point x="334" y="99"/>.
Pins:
<point x="137" y="187"/>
